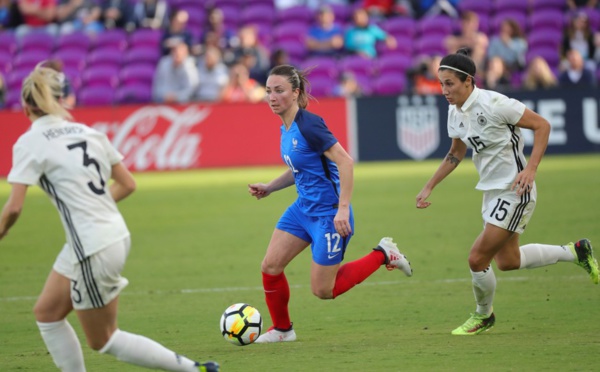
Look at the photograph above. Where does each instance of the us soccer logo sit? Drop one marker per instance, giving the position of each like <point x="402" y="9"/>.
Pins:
<point x="417" y="126"/>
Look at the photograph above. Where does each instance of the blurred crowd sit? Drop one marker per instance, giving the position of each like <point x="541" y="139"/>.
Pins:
<point x="220" y="63"/>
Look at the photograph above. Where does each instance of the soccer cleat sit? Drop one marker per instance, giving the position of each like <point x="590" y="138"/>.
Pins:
<point x="584" y="254"/>
<point x="276" y="335"/>
<point x="476" y="324"/>
<point x="393" y="258"/>
<point x="208" y="367"/>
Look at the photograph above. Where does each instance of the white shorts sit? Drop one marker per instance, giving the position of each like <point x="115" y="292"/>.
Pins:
<point x="97" y="280"/>
<point x="503" y="208"/>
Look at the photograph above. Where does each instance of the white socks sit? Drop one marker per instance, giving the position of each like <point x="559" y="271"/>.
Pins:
<point x="144" y="352"/>
<point x="484" y="288"/>
<point x="63" y="344"/>
<point x="537" y="255"/>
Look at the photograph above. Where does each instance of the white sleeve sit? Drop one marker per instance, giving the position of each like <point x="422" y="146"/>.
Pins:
<point x="26" y="169"/>
<point x="114" y="156"/>
<point x="509" y="110"/>
<point x="452" y="132"/>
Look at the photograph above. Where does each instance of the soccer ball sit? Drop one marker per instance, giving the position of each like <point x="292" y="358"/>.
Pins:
<point x="241" y="324"/>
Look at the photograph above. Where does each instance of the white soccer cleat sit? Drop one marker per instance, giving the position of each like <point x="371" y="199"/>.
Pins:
<point x="275" y="335"/>
<point x="393" y="258"/>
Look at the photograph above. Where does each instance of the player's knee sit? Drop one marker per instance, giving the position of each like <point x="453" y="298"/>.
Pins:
<point x="45" y="314"/>
<point x="323" y="293"/>
<point x="98" y="342"/>
<point x="478" y="263"/>
<point x="507" y="265"/>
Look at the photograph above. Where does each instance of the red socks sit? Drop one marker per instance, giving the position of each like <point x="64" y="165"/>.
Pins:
<point x="277" y="295"/>
<point x="355" y="272"/>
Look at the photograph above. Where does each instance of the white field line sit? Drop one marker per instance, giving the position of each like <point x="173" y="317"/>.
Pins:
<point x="248" y="289"/>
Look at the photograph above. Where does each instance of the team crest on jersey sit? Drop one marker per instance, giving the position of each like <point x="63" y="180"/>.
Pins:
<point x="481" y="120"/>
<point x="417" y="126"/>
<point x="294" y="143"/>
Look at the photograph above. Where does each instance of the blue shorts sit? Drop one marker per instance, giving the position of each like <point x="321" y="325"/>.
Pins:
<point x="327" y="246"/>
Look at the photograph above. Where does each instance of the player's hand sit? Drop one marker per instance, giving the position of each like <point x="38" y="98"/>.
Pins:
<point x="524" y="181"/>
<point x="258" y="190"/>
<point x="341" y="222"/>
<point x="422" y="197"/>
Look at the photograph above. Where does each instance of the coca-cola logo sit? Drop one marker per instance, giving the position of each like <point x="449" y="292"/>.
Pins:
<point x="158" y="137"/>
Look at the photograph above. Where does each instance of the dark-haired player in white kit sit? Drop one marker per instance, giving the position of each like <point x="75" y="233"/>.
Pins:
<point x="73" y="163"/>
<point x="488" y="123"/>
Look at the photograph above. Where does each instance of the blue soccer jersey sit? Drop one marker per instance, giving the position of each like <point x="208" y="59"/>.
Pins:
<point x="317" y="178"/>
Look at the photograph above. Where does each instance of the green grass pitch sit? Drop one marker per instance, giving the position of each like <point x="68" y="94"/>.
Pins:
<point x="199" y="238"/>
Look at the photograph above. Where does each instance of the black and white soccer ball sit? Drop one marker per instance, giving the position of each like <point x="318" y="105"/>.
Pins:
<point x="241" y="324"/>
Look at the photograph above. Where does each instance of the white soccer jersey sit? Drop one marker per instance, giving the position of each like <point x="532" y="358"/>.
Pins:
<point x="486" y="124"/>
<point x="72" y="163"/>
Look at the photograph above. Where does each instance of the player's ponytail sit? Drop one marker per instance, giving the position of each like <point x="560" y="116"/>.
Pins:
<point x="42" y="92"/>
<point x="297" y="79"/>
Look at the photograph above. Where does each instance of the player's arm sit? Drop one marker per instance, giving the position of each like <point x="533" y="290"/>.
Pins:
<point x="262" y="190"/>
<point x="541" y="132"/>
<point x="124" y="183"/>
<point x="12" y="208"/>
<point x="456" y="154"/>
<point x="345" y="165"/>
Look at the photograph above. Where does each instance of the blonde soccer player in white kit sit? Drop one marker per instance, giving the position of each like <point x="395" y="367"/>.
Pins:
<point x="488" y="123"/>
<point x="73" y="164"/>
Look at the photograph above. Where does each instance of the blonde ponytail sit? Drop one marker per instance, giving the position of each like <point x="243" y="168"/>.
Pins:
<point x="42" y="91"/>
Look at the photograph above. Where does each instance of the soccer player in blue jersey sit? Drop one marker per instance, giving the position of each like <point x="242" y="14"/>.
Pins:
<point x="321" y="216"/>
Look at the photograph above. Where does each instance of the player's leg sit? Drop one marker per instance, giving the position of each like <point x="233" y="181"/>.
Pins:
<point x="97" y="312"/>
<point x="51" y="309"/>
<point x="282" y="249"/>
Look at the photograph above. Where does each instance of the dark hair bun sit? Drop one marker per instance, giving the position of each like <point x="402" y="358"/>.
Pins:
<point x="464" y="51"/>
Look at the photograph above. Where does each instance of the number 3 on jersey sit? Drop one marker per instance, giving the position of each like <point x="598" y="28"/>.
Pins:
<point x="87" y="161"/>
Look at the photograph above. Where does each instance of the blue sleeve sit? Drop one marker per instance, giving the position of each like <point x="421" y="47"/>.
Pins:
<point x="378" y="32"/>
<point x="316" y="133"/>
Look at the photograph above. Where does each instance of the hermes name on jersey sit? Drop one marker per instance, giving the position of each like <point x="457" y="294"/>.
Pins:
<point x="57" y="132"/>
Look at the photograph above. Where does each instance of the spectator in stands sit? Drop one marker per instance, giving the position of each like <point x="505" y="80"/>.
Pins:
<point x="469" y="37"/>
<point x="425" y="79"/>
<point x="68" y="95"/>
<point x="509" y="45"/>
<point x="37" y="15"/>
<point x="5" y="14"/>
<point x="576" y="75"/>
<point x="176" y="77"/>
<point x="249" y="44"/>
<point x="429" y="8"/>
<point x="578" y="4"/>
<point x="215" y="28"/>
<point x="538" y="75"/>
<point x="151" y="14"/>
<point x="362" y="37"/>
<point x="579" y="35"/>
<point x="79" y="15"/>
<point x="347" y="86"/>
<point x="2" y="92"/>
<point x="325" y="37"/>
<point x="176" y="32"/>
<point x="241" y="88"/>
<point x="116" y="14"/>
<point x="497" y="75"/>
<point x="212" y="75"/>
<point x="382" y="9"/>
<point x="279" y="57"/>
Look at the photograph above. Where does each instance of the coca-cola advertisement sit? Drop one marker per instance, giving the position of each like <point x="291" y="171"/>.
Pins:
<point x="168" y="137"/>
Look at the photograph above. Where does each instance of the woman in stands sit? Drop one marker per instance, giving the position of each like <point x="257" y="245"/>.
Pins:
<point x="73" y="163"/>
<point x="489" y="123"/>
<point x="321" y="216"/>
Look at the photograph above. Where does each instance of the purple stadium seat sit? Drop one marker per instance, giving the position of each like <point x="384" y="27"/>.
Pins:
<point x="430" y="45"/>
<point x="15" y="78"/>
<point x="321" y="66"/>
<point x="29" y="58"/>
<point x="393" y="63"/>
<point x="137" y="73"/>
<point x="436" y="25"/>
<point x="538" y="5"/>
<point x="404" y="45"/>
<point x="343" y="13"/>
<point x="295" y="49"/>
<point x="100" y="76"/>
<point x="357" y="65"/>
<point x="107" y="56"/>
<point x="594" y="17"/>
<point x="546" y="18"/>
<point x="322" y="86"/>
<point x="544" y="37"/>
<point x="115" y="38"/>
<point x="96" y="96"/>
<point x="5" y="62"/>
<point x="551" y="55"/>
<point x="75" y="40"/>
<point x="511" y="5"/>
<point x="477" y="6"/>
<point x="302" y="14"/>
<point x="8" y="41"/>
<point x="197" y="15"/>
<point x="142" y="55"/>
<point x="290" y="31"/>
<point x="134" y="93"/>
<point x="36" y="41"/>
<point x="365" y="83"/>
<point x="71" y="58"/>
<point x="400" y="26"/>
<point x="258" y="13"/>
<point x="13" y="99"/>
<point x="389" y="84"/>
<point x="231" y="16"/>
<point x="145" y="37"/>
